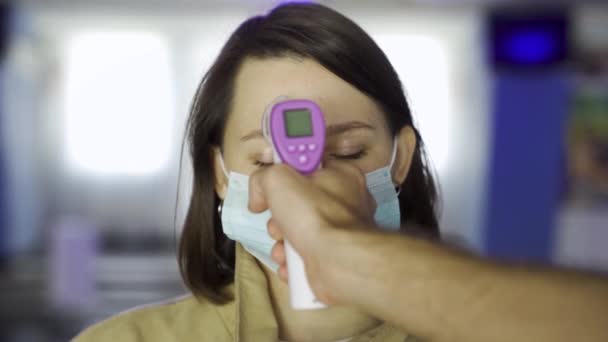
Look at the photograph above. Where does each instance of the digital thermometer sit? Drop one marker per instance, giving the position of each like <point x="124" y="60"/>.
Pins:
<point x="296" y="129"/>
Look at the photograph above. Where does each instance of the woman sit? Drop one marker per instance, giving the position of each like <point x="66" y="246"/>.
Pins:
<point x="299" y="51"/>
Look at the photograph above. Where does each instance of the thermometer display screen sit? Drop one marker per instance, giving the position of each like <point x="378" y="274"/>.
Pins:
<point x="298" y="123"/>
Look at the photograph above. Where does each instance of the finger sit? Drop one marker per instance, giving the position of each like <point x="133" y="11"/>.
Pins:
<point x="273" y="230"/>
<point x="282" y="273"/>
<point x="265" y="182"/>
<point x="278" y="253"/>
<point x="348" y="184"/>
<point x="336" y="177"/>
<point x="356" y="180"/>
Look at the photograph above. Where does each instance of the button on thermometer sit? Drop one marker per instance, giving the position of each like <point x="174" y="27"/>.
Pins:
<point x="296" y="129"/>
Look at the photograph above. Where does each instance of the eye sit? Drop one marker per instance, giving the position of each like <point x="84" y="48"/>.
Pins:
<point x="261" y="164"/>
<point x="352" y="156"/>
<point x="263" y="159"/>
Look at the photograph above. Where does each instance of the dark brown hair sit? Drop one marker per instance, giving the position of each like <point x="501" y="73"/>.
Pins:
<point x="206" y="255"/>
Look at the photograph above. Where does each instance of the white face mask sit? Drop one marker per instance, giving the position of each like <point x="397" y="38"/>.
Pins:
<point x="249" y="229"/>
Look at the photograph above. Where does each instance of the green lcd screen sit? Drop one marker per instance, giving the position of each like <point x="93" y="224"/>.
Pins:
<point x="298" y="123"/>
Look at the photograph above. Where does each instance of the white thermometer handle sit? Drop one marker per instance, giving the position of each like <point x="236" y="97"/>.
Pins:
<point x="300" y="293"/>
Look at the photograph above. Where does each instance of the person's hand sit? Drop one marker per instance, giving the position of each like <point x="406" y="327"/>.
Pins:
<point x="306" y="210"/>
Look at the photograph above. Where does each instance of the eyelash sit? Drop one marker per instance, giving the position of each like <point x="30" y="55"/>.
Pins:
<point x="261" y="164"/>
<point x="354" y="156"/>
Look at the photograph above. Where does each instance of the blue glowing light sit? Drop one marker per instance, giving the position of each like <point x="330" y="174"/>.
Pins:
<point x="529" y="40"/>
<point x="286" y="2"/>
<point x="531" y="46"/>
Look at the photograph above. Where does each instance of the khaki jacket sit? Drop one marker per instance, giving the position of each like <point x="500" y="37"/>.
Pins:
<point x="249" y="317"/>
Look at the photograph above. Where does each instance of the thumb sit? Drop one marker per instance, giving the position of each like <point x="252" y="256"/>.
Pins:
<point x="275" y="182"/>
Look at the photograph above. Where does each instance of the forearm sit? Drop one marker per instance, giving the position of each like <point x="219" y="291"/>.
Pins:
<point x="445" y="295"/>
<point x="539" y="304"/>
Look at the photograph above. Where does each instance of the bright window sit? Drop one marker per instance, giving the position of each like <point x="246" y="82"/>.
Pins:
<point x="422" y="65"/>
<point x="119" y="103"/>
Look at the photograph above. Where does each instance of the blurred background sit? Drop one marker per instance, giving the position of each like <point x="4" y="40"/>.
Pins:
<point x="512" y="100"/>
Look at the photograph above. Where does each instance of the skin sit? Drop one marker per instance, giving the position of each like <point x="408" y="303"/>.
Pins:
<point x="357" y="136"/>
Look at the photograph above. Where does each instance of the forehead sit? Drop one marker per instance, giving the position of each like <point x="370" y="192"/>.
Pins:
<point x="260" y="81"/>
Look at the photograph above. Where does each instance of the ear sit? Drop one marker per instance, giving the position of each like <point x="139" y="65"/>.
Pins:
<point x="221" y="180"/>
<point x="406" y="145"/>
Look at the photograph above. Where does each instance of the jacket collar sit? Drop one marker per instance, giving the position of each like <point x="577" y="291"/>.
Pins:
<point x="250" y="314"/>
<point x="251" y="317"/>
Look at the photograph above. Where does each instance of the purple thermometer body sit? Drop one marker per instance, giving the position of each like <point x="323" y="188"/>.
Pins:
<point x="298" y="134"/>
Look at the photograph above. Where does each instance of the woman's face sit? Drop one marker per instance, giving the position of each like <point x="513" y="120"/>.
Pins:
<point x="356" y="133"/>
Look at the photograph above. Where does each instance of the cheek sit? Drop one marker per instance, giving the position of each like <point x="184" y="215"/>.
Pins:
<point x="375" y="157"/>
<point x="241" y="164"/>
<point x="244" y="158"/>
<point x="375" y="160"/>
<point x="235" y="160"/>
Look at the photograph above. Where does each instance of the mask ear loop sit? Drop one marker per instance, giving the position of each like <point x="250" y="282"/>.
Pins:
<point x="221" y="205"/>
<point x="223" y="166"/>
<point x="390" y="167"/>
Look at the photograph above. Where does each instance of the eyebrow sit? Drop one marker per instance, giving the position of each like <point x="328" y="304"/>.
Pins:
<point x="330" y="130"/>
<point x="347" y="126"/>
